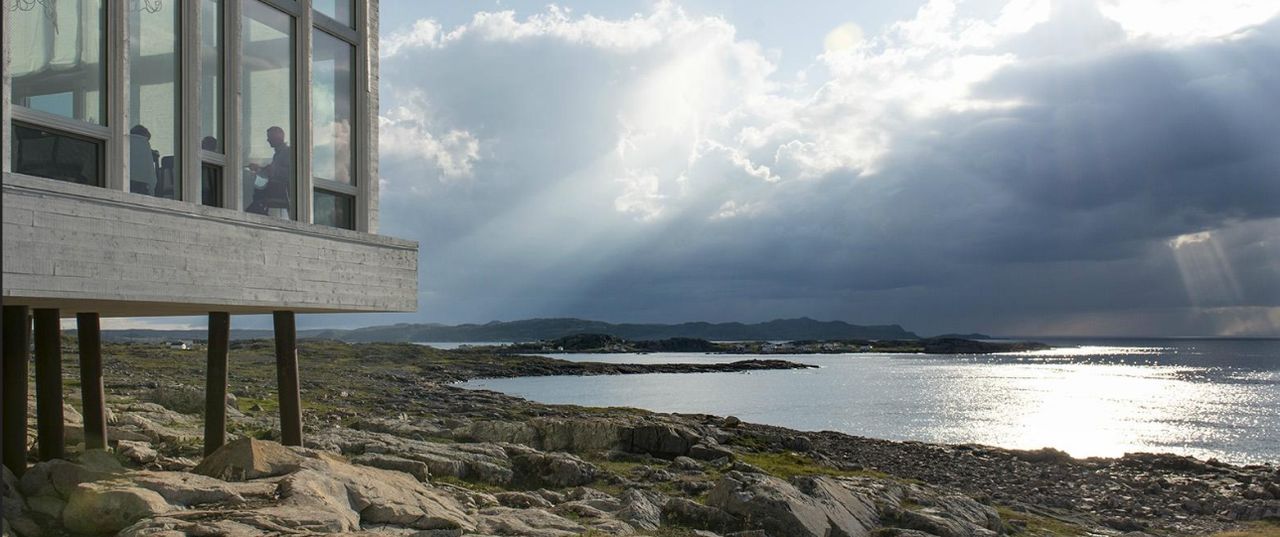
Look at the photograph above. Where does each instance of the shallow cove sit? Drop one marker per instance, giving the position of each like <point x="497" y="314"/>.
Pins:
<point x="1205" y="398"/>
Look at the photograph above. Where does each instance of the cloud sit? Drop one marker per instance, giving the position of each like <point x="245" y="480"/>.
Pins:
<point x="1054" y="164"/>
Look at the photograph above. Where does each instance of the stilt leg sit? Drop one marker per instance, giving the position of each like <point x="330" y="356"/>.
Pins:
<point x="17" y="354"/>
<point x="215" y="388"/>
<point x="91" y="392"/>
<point x="287" y="379"/>
<point x="49" y="432"/>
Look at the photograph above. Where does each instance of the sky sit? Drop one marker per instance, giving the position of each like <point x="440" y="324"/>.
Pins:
<point x="1024" y="167"/>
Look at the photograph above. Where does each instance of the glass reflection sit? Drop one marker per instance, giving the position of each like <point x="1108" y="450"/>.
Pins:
<point x="154" y="101"/>
<point x="338" y="10"/>
<point x="211" y="58"/>
<point x="267" y="108"/>
<point x="331" y="105"/>
<point x="56" y="59"/>
<point x="334" y="210"/>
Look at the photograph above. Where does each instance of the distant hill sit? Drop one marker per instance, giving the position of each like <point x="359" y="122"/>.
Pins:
<point x="973" y="335"/>
<point x="541" y="329"/>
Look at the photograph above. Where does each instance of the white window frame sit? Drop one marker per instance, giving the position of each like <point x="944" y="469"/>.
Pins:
<point x="114" y="134"/>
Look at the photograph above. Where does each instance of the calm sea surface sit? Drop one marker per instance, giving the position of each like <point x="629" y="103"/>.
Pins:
<point x="1206" y="398"/>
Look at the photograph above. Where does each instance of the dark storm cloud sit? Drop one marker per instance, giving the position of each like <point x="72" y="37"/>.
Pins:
<point x="1059" y="210"/>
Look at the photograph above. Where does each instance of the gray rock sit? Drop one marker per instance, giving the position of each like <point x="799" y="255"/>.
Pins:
<point x="666" y="441"/>
<point x="686" y="464"/>
<point x="640" y="509"/>
<point x="936" y="523"/>
<point x="185" y="399"/>
<point x="108" y="507"/>
<point x="798" y="442"/>
<point x="709" y="451"/>
<point x="249" y="458"/>
<point x="688" y="513"/>
<point x="186" y="489"/>
<point x="16" y="516"/>
<point x="526" y="522"/>
<point x="390" y="497"/>
<point x="417" y="469"/>
<point x="138" y="452"/>
<point x="522" y="500"/>
<point x="547" y="434"/>
<point x="536" y="469"/>
<point x="813" y="507"/>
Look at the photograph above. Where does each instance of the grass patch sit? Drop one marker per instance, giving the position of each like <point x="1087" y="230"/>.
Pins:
<point x="1256" y="529"/>
<point x="788" y="465"/>
<point x="1040" y="525"/>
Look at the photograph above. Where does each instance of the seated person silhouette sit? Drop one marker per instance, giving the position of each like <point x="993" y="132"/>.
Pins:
<point x="143" y="161"/>
<point x="271" y="182"/>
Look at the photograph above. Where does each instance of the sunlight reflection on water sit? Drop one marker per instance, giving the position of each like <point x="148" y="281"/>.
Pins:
<point x="1087" y="401"/>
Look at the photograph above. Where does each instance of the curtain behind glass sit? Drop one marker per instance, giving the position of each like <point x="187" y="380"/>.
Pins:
<point x="57" y="55"/>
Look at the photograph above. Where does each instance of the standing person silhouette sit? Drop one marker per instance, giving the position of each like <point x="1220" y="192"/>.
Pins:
<point x="271" y="182"/>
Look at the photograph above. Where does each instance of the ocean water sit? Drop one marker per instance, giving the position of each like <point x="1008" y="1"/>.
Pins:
<point x="1205" y="398"/>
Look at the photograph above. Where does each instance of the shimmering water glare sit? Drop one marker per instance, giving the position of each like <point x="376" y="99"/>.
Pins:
<point x="1205" y="398"/>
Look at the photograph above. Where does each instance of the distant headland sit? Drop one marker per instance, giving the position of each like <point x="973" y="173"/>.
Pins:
<point x="531" y="330"/>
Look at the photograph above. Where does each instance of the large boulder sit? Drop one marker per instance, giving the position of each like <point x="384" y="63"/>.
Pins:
<point x="483" y="462"/>
<point x="547" y="434"/>
<point x="666" y="441"/>
<point x="186" y="489"/>
<point x="47" y="485"/>
<point x="249" y="458"/>
<point x="16" y="516"/>
<point x="640" y="509"/>
<point x="538" y="469"/>
<point x="526" y="522"/>
<point x="390" y="497"/>
<point x="686" y="512"/>
<point x="417" y="469"/>
<point x="108" y="507"/>
<point x="812" y="507"/>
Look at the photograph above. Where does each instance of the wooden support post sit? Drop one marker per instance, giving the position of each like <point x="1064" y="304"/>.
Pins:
<point x="215" y="387"/>
<point x="287" y="379"/>
<point x="49" y="433"/>
<point x="17" y="353"/>
<point x="94" y="403"/>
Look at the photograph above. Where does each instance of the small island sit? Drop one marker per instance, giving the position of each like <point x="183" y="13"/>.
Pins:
<point x="609" y="344"/>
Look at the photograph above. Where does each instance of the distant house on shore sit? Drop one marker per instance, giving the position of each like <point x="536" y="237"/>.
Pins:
<point x="203" y="157"/>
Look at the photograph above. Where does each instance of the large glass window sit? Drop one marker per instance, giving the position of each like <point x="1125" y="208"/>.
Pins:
<point x="338" y="10"/>
<point x="332" y="101"/>
<point x="211" y="58"/>
<point x="57" y="57"/>
<point x="267" y="88"/>
<point x="48" y="153"/>
<point x="333" y="209"/>
<point x="155" y="99"/>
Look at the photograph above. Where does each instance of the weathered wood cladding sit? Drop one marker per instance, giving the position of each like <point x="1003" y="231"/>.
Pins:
<point x="82" y="248"/>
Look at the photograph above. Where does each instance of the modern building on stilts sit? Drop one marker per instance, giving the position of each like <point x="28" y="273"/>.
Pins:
<point x="185" y="157"/>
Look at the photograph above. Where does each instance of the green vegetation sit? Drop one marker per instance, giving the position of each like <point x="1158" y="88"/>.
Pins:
<point x="1257" y="529"/>
<point x="788" y="465"/>
<point x="1039" y="525"/>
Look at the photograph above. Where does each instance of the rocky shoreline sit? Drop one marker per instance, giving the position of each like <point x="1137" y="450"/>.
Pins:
<point x="393" y="448"/>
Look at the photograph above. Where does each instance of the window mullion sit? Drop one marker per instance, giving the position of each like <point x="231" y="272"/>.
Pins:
<point x="366" y="107"/>
<point x="189" y="146"/>
<point x="6" y="100"/>
<point x="303" y="157"/>
<point x="117" y="60"/>
<point x="232" y="185"/>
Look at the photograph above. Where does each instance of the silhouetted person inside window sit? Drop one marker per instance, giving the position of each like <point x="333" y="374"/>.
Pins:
<point x="143" y="161"/>
<point x="271" y="182"/>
